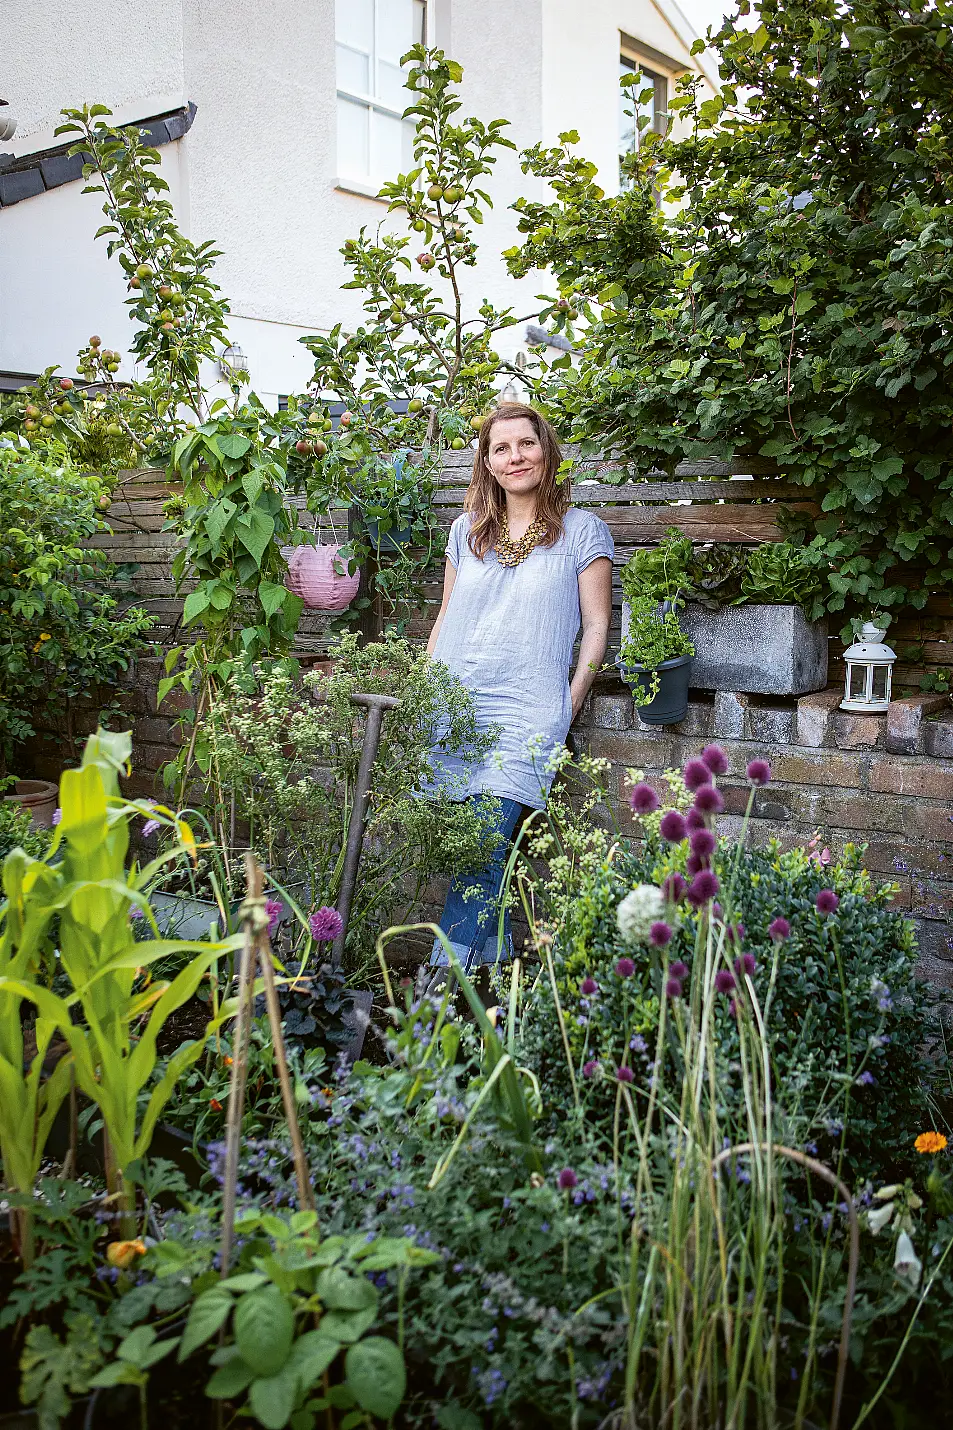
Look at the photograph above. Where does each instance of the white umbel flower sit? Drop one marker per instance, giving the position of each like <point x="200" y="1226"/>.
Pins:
<point x="638" y="911"/>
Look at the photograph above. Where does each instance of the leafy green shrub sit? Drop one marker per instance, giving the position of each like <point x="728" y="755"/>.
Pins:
<point x="61" y="630"/>
<point x="17" y="832"/>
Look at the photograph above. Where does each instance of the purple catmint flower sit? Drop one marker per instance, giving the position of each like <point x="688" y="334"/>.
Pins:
<point x="274" y="908"/>
<point x="758" y="772"/>
<point x="673" y="989"/>
<point x="715" y="758"/>
<point x="625" y="968"/>
<point x="672" y="826"/>
<point x="780" y="930"/>
<point x="678" y="969"/>
<point x="150" y="827"/>
<point x="588" y="987"/>
<point x="826" y="902"/>
<point x="624" y="1074"/>
<point x="643" y="799"/>
<point x="703" y="887"/>
<point x="674" y="888"/>
<point x="135" y="912"/>
<point x="590" y="1068"/>
<point x="695" y="774"/>
<point x="57" y="815"/>
<point x="725" y="981"/>
<point x="708" y="800"/>
<point x="745" y="965"/>
<point x="567" y="1179"/>
<point x="326" y="924"/>
<point x="866" y="1079"/>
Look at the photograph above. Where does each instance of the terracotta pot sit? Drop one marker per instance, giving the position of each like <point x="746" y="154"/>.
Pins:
<point x="311" y="575"/>
<point x="40" y="797"/>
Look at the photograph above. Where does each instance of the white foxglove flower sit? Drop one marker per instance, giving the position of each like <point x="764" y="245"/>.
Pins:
<point x="906" y="1263"/>
<point x="638" y="911"/>
<point x="879" y="1217"/>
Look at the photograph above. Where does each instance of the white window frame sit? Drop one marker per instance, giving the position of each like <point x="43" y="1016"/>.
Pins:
<point x="369" y="184"/>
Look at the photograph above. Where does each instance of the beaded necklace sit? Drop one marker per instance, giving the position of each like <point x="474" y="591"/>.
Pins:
<point x="511" y="553"/>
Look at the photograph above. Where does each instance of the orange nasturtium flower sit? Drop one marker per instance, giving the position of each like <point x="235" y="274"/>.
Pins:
<point x="215" y="1105"/>
<point x="227" y="1060"/>
<point x="122" y="1254"/>
<point x="930" y="1142"/>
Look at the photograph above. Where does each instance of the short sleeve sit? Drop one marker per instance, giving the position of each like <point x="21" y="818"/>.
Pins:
<point x="458" y="535"/>
<point x="594" y="540"/>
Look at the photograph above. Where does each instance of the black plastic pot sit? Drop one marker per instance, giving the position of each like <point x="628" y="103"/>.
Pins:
<point x="670" y="705"/>
<point x="394" y="540"/>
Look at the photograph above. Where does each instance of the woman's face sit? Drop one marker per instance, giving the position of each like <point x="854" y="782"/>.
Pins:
<point x="515" y="455"/>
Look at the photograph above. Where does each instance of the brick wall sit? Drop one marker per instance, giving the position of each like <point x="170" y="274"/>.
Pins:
<point x="886" y="782"/>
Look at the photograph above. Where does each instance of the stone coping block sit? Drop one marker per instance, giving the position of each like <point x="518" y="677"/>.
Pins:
<point x="905" y="721"/>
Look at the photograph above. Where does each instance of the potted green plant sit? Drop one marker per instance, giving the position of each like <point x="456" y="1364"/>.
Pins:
<point x="655" y="660"/>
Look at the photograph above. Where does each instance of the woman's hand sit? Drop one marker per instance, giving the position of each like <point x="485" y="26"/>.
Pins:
<point x="595" y="604"/>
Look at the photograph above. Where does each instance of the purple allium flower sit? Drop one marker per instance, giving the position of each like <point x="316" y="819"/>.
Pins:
<point x="590" y="1068"/>
<point x="702" y="842"/>
<point x="758" y="772"/>
<point x="660" y="934"/>
<point x="695" y="820"/>
<point x="643" y="799"/>
<point x="734" y="1007"/>
<point x="780" y="930"/>
<point x="708" y="800"/>
<point x="703" y="887"/>
<point x="694" y="864"/>
<point x="625" y="968"/>
<point x="588" y="987"/>
<point x="745" y="965"/>
<point x="695" y="774"/>
<point x="567" y="1179"/>
<point x="735" y="933"/>
<point x="673" y="989"/>
<point x="678" y="969"/>
<point x="725" y="981"/>
<point x="624" y="1074"/>
<point x="150" y="827"/>
<point x="672" y="826"/>
<point x="674" y="888"/>
<point x="57" y="815"/>
<point x="325" y="924"/>
<point x="274" y="908"/>
<point x="715" y="758"/>
<point x="826" y="902"/>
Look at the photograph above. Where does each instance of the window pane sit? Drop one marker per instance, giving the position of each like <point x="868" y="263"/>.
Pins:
<point x="628" y="128"/>
<point x="395" y="35"/>
<point x="354" y="24"/>
<point x="354" y="70"/>
<point x="420" y="22"/>
<point x="353" y="146"/>
<point x="858" y="682"/>
<point x="387" y="144"/>
<point x="880" y="682"/>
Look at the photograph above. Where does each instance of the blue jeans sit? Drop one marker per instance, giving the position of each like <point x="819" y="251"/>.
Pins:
<point x="471" y="925"/>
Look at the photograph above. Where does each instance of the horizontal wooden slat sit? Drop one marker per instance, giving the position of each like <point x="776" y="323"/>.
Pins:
<point x="648" y="493"/>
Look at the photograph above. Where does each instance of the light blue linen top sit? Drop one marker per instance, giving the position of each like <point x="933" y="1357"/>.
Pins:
<point x="508" y="634"/>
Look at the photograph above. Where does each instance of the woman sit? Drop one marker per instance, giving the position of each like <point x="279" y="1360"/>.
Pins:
<point x="524" y="569"/>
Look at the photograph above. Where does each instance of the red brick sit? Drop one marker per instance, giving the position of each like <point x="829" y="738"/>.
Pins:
<point x="867" y="814"/>
<point x="637" y="750"/>
<point x="912" y="777"/>
<point x="858" y="732"/>
<point x="927" y="821"/>
<point x="905" y="721"/>
<point x="824" y="768"/>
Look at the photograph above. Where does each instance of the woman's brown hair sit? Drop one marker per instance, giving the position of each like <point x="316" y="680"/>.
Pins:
<point x="486" y="499"/>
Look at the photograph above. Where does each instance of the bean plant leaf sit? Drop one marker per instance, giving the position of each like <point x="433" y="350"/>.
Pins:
<point x="375" y="1372"/>
<point x="208" y="1314"/>
<point x="264" y="1329"/>
<point x="272" y="1398"/>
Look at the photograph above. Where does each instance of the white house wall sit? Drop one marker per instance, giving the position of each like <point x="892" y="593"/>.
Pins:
<point x="257" y="172"/>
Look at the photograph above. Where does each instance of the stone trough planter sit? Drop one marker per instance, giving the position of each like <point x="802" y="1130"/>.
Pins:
<point x="755" y="650"/>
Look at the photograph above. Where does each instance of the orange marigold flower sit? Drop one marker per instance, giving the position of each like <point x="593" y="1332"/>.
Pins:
<point x="122" y="1254"/>
<point x="215" y="1105"/>
<point x="930" y="1142"/>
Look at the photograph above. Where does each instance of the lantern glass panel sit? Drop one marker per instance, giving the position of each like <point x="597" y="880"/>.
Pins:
<point x="879" y="684"/>
<point x="857" y="683"/>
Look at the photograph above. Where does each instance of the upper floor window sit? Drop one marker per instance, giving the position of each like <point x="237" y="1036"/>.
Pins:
<point x="374" y="143"/>
<point x="654" y="109"/>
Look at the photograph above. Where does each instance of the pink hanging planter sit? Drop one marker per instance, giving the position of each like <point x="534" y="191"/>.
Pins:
<point x="312" y="576"/>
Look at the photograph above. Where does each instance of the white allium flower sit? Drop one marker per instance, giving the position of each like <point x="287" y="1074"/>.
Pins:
<point x="638" y="911"/>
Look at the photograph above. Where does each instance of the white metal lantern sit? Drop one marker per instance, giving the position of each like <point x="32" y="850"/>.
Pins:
<point x="869" y="672"/>
<point x="233" y="364"/>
